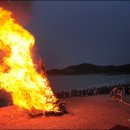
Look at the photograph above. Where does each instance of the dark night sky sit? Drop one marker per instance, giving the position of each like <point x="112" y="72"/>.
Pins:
<point x="69" y="33"/>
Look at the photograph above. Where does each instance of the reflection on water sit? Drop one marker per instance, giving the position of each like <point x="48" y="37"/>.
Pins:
<point x="59" y="83"/>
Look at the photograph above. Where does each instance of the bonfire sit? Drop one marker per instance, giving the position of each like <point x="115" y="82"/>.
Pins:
<point x="30" y="90"/>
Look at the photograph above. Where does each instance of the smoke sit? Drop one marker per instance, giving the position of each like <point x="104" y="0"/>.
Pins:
<point x="21" y="10"/>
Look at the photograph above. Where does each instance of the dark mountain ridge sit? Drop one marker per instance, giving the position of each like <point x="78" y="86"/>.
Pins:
<point x="87" y="68"/>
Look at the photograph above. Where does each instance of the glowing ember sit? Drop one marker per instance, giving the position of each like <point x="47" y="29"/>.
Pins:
<point x="29" y="89"/>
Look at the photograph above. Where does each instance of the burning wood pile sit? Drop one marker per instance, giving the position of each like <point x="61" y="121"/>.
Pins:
<point x="30" y="90"/>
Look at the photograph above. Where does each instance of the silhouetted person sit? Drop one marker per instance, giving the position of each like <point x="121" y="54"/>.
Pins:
<point x="80" y="93"/>
<point x="72" y="92"/>
<point x="113" y="93"/>
<point x="126" y="89"/>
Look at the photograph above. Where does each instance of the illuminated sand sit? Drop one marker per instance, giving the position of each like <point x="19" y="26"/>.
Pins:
<point x="85" y="112"/>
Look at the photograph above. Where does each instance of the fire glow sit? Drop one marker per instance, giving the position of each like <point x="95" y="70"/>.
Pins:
<point x="29" y="89"/>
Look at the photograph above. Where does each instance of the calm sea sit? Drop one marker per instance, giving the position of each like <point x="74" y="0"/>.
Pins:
<point x="60" y="83"/>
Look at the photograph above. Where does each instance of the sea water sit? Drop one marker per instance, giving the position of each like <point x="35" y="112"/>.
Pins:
<point x="67" y="83"/>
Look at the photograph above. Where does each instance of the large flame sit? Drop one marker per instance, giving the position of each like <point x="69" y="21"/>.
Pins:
<point x="29" y="89"/>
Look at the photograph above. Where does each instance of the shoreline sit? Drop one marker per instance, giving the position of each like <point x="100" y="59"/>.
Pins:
<point x="92" y="91"/>
<point x="61" y="83"/>
<point x="89" y="74"/>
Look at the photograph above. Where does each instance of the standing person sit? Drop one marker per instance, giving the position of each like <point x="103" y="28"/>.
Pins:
<point x="126" y="89"/>
<point x="80" y="92"/>
<point x="118" y="94"/>
<point x="123" y="89"/>
<point x="121" y="95"/>
<point x="95" y="91"/>
<point x="114" y="93"/>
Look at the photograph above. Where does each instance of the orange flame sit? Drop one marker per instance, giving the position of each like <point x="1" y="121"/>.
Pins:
<point x="29" y="89"/>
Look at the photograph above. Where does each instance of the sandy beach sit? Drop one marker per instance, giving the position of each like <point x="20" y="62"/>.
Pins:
<point x="94" y="112"/>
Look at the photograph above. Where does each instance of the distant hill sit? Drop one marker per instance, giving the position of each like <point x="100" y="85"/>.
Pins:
<point x="86" y="68"/>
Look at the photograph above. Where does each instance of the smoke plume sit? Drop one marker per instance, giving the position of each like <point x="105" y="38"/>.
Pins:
<point x="21" y="10"/>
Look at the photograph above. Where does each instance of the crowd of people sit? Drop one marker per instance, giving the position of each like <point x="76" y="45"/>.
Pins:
<point x="117" y="94"/>
<point x="116" y="91"/>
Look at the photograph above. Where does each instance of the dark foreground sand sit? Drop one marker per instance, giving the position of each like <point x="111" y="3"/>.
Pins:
<point x="99" y="112"/>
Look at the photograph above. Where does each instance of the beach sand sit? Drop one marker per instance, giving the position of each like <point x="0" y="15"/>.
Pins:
<point x="94" y="112"/>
